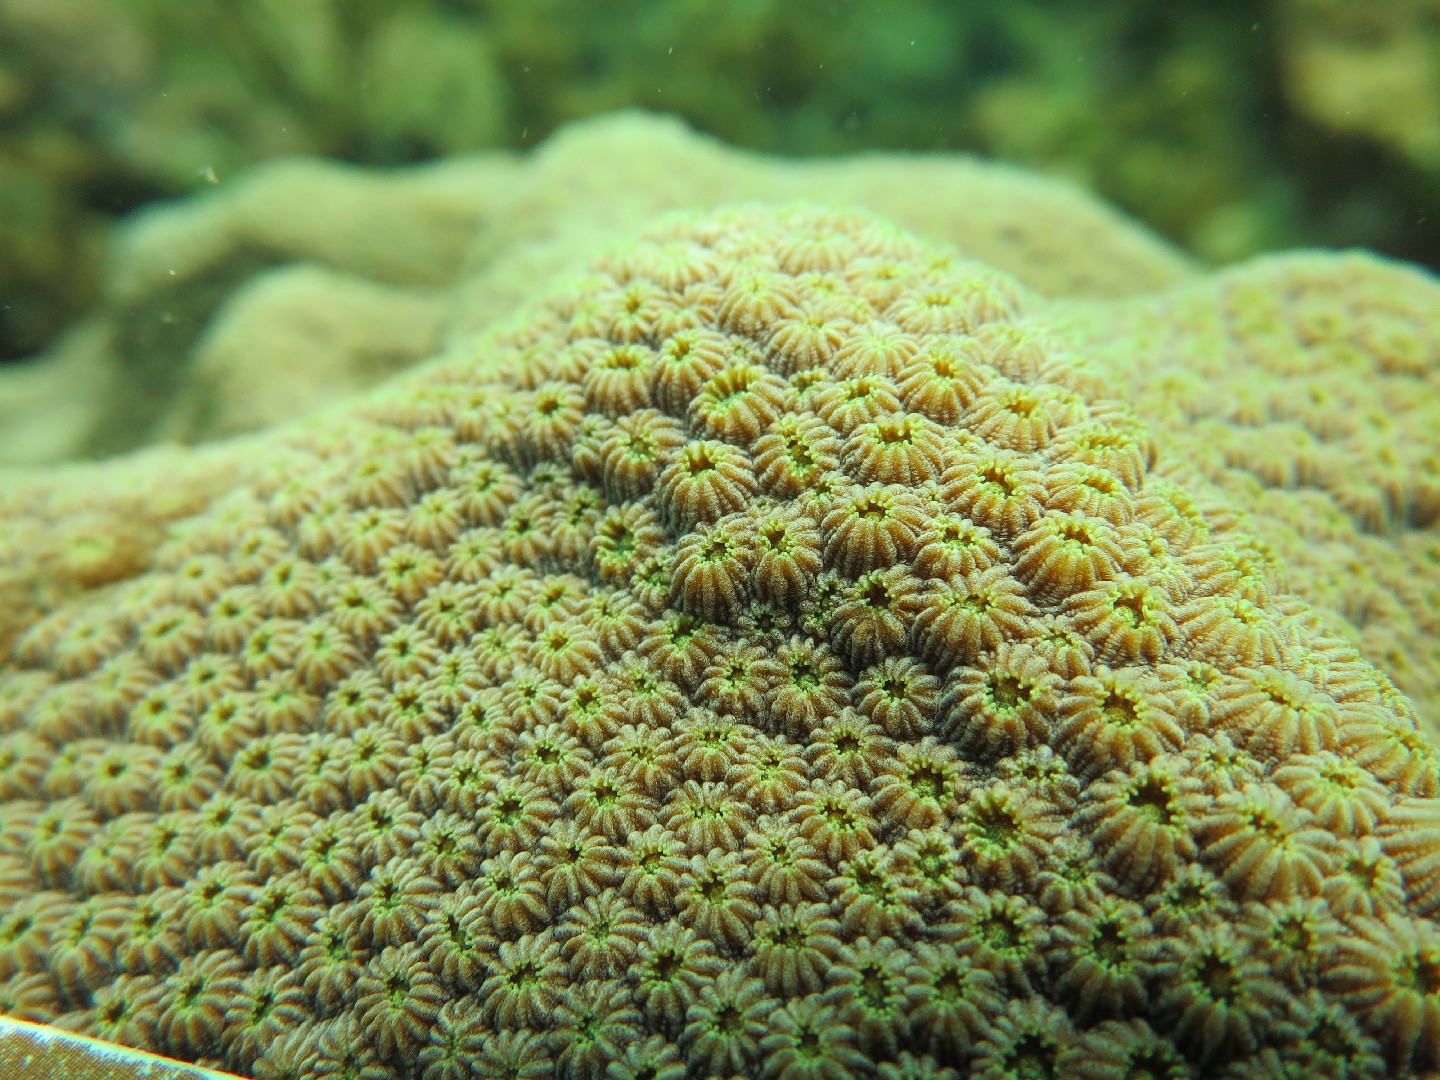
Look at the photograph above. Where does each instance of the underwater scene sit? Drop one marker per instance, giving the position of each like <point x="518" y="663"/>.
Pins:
<point x="660" y="540"/>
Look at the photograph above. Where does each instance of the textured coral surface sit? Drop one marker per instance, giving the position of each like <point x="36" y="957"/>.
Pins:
<point x="1309" y="393"/>
<point x="775" y="656"/>
<point x="1304" y="386"/>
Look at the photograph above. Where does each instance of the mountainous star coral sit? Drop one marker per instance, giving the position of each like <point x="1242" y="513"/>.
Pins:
<point x="823" y="683"/>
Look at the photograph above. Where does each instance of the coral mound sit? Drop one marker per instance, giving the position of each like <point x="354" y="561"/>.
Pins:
<point x="774" y="657"/>
<point x="1306" y="388"/>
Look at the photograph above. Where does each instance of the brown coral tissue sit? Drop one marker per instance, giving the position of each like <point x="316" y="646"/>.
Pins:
<point x="837" y="686"/>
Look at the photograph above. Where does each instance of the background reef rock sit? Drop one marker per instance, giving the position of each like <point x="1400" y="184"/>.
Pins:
<point x="1228" y="128"/>
<point x="782" y="649"/>
<point x="188" y="287"/>
<point x="433" y="252"/>
<point x="1371" y="70"/>
<point x="600" y="177"/>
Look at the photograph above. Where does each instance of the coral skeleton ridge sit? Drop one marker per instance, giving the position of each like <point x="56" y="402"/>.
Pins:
<point x="790" y="650"/>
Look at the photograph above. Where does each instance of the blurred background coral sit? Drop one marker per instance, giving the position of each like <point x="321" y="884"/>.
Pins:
<point x="1230" y="128"/>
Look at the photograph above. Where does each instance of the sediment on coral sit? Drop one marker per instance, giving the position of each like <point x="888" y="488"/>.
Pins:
<point x="807" y="669"/>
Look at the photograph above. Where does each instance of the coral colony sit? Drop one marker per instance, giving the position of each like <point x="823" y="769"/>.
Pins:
<point x="768" y="658"/>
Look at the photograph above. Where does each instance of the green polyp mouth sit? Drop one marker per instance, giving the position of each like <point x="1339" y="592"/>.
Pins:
<point x="1008" y="692"/>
